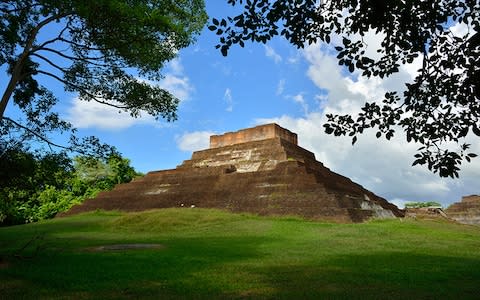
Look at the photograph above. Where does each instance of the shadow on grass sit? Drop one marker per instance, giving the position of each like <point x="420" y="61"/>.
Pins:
<point x="217" y="268"/>
<point x="377" y="276"/>
<point x="218" y="258"/>
<point x="185" y="267"/>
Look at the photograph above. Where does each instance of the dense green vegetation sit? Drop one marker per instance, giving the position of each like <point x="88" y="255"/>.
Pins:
<point x="213" y="254"/>
<point x="36" y="186"/>
<point x="107" y="51"/>
<point x="422" y="204"/>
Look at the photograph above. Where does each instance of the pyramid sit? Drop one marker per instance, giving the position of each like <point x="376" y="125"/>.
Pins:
<point x="259" y="170"/>
<point x="467" y="211"/>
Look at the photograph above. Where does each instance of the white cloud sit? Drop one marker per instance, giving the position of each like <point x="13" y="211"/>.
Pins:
<point x="227" y="97"/>
<point x="280" y="87"/>
<point x="193" y="141"/>
<point x="400" y="203"/>
<point x="175" y="81"/>
<point x="294" y="58"/>
<point x="381" y="166"/>
<point x="462" y="29"/>
<point x="179" y="86"/>
<point x="83" y="114"/>
<point x="175" y="66"/>
<point x="299" y="99"/>
<point x="270" y="53"/>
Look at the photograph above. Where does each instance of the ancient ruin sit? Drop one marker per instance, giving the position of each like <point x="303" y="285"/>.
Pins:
<point x="467" y="211"/>
<point x="428" y="213"/>
<point x="260" y="170"/>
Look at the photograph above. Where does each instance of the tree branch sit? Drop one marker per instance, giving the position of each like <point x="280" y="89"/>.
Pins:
<point x="83" y="90"/>
<point x="46" y="140"/>
<point x="49" y="62"/>
<point x="17" y="69"/>
<point x="52" y="40"/>
<point x="82" y="45"/>
<point x="74" y="58"/>
<point x="33" y="34"/>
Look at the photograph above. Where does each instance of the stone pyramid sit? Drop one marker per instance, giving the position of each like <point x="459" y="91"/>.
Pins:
<point x="467" y="211"/>
<point x="260" y="170"/>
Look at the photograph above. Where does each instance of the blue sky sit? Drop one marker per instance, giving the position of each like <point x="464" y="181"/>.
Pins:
<point x="270" y="83"/>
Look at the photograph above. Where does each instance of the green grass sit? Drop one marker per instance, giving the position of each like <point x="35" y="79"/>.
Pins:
<point x="213" y="254"/>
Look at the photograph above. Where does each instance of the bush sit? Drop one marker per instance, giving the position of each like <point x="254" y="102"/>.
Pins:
<point x="54" y="183"/>
<point x="53" y="201"/>
<point x="421" y="204"/>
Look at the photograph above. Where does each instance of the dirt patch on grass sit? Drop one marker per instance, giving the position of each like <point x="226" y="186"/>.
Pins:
<point x="124" y="247"/>
<point x="3" y="264"/>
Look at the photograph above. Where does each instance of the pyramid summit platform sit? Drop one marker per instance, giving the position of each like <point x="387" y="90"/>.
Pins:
<point x="259" y="170"/>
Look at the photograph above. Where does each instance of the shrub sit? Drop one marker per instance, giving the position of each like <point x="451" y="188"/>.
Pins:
<point x="421" y="204"/>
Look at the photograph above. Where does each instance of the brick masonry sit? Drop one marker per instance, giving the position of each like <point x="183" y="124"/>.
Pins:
<point x="260" y="170"/>
<point x="258" y="133"/>
<point x="466" y="211"/>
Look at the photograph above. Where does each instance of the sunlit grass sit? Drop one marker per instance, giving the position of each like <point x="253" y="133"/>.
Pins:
<point x="215" y="254"/>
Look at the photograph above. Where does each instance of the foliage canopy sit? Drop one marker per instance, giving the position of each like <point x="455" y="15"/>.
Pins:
<point x="102" y="50"/>
<point x="35" y="186"/>
<point x="440" y="106"/>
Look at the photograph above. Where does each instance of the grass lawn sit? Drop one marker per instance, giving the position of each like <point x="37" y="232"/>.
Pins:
<point x="205" y="254"/>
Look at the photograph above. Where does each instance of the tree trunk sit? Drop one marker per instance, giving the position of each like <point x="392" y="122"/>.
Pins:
<point x="9" y="90"/>
<point x="16" y="74"/>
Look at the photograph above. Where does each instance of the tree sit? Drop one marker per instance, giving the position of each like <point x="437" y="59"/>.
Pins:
<point x="104" y="173"/>
<point x="422" y="204"/>
<point x="25" y="174"/>
<point x="35" y="185"/>
<point x="106" y="51"/>
<point x="440" y="106"/>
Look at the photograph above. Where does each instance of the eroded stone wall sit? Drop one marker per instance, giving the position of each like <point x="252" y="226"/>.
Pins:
<point x="269" y="176"/>
<point x="257" y="133"/>
<point x="467" y="211"/>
